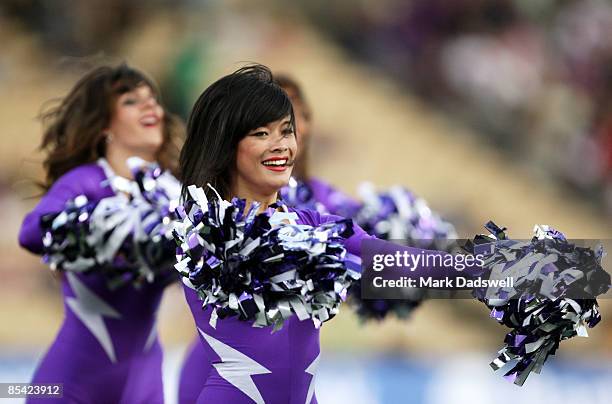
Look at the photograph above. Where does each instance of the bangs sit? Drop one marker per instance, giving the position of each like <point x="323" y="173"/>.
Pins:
<point x="259" y="105"/>
<point x="270" y="106"/>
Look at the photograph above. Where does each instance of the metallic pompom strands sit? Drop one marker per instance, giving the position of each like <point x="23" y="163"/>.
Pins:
<point x="395" y="215"/>
<point x="65" y="237"/>
<point x="398" y="214"/>
<point x="299" y="195"/>
<point x="127" y="236"/>
<point x="259" y="267"/>
<point x="553" y="297"/>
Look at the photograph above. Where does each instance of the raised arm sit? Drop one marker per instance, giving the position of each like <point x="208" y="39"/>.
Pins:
<point x="365" y="245"/>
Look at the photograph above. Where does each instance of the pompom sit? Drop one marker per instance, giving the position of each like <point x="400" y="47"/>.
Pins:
<point x="299" y="195"/>
<point x="398" y="215"/>
<point x="65" y="237"/>
<point x="552" y="297"/>
<point x="127" y="237"/>
<point x="259" y="267"/>
<point x="379" y="309"/>
<point x="394" y="215"/>
<point x="302" y="195"/>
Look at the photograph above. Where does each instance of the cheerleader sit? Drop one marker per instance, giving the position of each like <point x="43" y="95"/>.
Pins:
<point x="107" y="349"/>
<point x="241" y="140"/>
<point x="314" y="193"/>
<point x="241" y="146"/>
<point x="319" y="195"/>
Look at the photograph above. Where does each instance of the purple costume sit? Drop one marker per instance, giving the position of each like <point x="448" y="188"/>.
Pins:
<point x="243" y="364"/>
<point x="196" y="366"/>
<point x="107" y="350"/>
<point x="253" y="365"/>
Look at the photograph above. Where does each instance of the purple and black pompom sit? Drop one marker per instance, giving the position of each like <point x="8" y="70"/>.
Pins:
<point x="127" y="237"/>
<point x="553" y="296"/>
<point x="263" y="268"/>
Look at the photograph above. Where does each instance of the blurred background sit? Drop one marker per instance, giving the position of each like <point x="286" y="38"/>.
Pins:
<point x="488" y="109"/>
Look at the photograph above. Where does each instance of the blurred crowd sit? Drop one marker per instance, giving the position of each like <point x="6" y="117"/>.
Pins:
<point x="534" y="77"/>
<point x="74" y="28"/>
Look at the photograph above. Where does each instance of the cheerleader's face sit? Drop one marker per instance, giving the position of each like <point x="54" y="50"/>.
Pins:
<point x="137" y="122"/>
<point x="264" y="159"/>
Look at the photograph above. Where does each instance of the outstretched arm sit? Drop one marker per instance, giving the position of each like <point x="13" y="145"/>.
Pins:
<point x="364" y="245"/>
<point x="84" y="180"/>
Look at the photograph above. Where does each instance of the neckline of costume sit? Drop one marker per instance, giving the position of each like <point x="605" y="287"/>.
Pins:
<point x="115" y="181"/>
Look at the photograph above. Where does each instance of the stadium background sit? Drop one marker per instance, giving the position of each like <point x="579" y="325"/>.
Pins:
<point x="488" y="109"/>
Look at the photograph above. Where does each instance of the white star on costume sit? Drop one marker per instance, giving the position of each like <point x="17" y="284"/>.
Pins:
<point x="237" y="368"/>
<point x="312" y="369"/>
<point x="90" y="308"/>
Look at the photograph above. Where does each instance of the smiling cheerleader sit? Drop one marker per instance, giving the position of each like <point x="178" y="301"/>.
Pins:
<point x="95" y="224"/>
<point x="254" y="270"/>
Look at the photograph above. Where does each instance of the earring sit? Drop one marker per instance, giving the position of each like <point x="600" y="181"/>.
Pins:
<point x="109" y="137"/>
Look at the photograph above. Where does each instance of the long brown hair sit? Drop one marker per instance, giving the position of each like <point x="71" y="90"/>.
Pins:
<point x="296" y="95"/>
<point x="74" y="128"/>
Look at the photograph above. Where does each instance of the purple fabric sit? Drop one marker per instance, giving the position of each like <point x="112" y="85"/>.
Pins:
<point x="196" y="366"/>
<point x="281" y="364"/>
<point x="107" y="350"/>
<point x="194" y="372"/>
<point x="284" y="361"/>
<point x="278" y="361"/>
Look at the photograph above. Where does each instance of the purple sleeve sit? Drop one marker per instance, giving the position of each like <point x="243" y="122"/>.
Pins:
<point x="355" y="243"/>
<point x="84" y="180"/>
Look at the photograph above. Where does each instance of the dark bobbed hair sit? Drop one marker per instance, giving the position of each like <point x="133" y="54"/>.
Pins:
<point x="74" y="126"/>
<point x="222" y="116"/>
